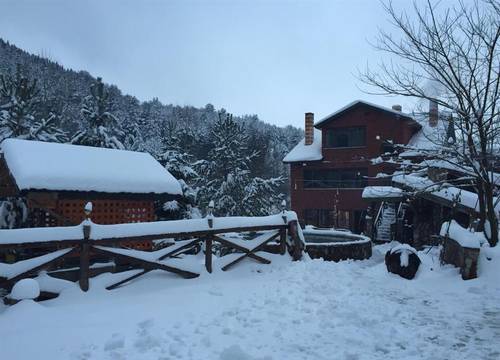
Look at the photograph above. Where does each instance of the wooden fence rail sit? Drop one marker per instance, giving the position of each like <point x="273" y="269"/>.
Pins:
<point x="111" y="241"/>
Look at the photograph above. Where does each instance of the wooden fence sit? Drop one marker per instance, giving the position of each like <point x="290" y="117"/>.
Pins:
<point x="117" y="242"/>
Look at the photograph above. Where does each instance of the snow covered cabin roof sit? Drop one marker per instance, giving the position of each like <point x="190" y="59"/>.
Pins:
<point x="303" y="152"/>
<point x="428" y="138"/>
<point x="36" y="165"/>
<point x="355" y="103"/>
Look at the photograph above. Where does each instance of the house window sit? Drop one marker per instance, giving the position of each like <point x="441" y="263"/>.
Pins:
<point x="334" y="179"/>
<point x="328" y="218"/>
<point x="319" y="217"/>
<point x="346" y="137"/>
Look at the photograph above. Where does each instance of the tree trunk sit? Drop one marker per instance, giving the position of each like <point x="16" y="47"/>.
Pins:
<point x="491" y="215"/>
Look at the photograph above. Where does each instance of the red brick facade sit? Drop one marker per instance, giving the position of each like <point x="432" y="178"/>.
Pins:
<point x="380" y="125"/>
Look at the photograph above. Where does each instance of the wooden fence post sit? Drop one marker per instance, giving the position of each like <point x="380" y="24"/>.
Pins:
<point x="85" y="258"/>
<point x="208" y="253"/>
<point x="84" y="250"/>
<point x="296" y="247"/>
<point x="282" y="241"/>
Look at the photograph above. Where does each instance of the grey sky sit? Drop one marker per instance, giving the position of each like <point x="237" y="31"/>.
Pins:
<point x="277" y="59"/>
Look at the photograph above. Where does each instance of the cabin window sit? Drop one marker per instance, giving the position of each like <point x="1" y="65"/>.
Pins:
<point x="327" y="218"/>
<point x="334" y="179"/>
<point x="346" y="137"/>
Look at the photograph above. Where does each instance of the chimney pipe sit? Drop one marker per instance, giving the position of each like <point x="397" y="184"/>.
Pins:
<point x="397" y="108"/>
<point x="309" y="128"/>
<point x="433" y="113"/>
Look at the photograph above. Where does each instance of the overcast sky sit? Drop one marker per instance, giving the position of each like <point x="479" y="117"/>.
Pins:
<point x="276" y="59"/>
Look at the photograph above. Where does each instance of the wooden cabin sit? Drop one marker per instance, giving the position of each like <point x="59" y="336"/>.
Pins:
<point x="335" y="161"/>
<point x="57" y="180"/>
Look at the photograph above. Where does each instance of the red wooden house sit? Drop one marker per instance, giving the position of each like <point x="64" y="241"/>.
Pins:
<point x="57" y="180"/>
<point x="332" y="165"/>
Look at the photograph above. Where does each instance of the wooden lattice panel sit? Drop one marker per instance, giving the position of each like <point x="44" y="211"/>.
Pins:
<point x="108" y="211"/>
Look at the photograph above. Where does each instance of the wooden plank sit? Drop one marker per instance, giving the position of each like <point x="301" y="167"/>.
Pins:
<point x="242" y="249"/>
<point x="147" y="265"/>
<point x="250" y="252"/>
<point x="174" y="252"/>
<point x="126" y="280"/>
<point x="7" y="282"/>
<point x="180" y="249"/>
<point x="139" y="239"/>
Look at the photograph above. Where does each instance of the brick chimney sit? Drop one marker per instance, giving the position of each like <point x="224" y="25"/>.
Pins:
<point x="433" y="113"/>
<point x="397" y="108"/>
<point x="309" y="128"/>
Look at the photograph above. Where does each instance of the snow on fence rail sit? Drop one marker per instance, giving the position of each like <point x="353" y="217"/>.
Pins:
<point x="90" y="238"/>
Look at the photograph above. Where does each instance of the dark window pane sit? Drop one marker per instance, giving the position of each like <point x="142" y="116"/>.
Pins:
<point x="339" y="178"/>
<point x="346" y="137"/>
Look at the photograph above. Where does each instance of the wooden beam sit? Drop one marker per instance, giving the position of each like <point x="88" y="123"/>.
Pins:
<point x="147" y="265"/>
<point x="242" y="249"/>
<point x="164" y="256"/>
<point x="138" y="239"/>
<point x="126" y="280"/>
<point x="6" y="282"/>
<point x="248" y="252"/>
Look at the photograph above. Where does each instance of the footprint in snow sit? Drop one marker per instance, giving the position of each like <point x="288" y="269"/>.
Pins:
<point x="116" y="342"/>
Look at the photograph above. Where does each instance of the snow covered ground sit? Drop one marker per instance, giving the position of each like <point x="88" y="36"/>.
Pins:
<point x="305" y="310"/>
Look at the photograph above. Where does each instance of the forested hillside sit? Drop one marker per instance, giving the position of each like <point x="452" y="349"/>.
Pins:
<point x="186" y="139"/>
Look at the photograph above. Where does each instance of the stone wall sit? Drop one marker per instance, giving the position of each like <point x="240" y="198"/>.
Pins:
<point x="338" y="251"/>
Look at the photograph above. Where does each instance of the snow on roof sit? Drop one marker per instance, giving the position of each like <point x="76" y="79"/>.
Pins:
<point x="461" y="235"/>
<point x="374" y="192"/>
<point x="427" y="138"/>
<point x="465" y="198"/>
<point x="37" y="165"/>
<point x="303" y="152"/>
<point x="356" y="102"/>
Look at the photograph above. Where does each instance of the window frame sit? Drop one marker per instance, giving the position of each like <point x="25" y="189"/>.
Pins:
<point x="335" y="177"/>
<point x="329" y="138"/>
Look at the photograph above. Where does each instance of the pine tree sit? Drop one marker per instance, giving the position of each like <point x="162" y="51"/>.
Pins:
<point x="19" y="111"/>
<point x="179" y="162"/>
<point x="100" y="128"/>
<point x="225" y="176"/>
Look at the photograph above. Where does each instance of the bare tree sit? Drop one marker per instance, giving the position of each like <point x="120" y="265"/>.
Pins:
<point x="456" y="50"/>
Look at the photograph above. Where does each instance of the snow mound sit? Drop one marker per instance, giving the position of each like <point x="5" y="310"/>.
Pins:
<point x="25" y="289"/>
<point x="404" y="250"/>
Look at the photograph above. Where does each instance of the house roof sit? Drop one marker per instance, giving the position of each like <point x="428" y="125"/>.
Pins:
<point x="356" y="103"/>
<point x="36" y="165"/>
<point x="303" y="152"/>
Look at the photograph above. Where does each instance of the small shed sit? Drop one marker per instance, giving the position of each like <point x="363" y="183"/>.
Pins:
<point x="58" y="179"/>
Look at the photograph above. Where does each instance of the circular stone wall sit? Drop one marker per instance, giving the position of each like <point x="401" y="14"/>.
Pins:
<point x="335" y="245"/>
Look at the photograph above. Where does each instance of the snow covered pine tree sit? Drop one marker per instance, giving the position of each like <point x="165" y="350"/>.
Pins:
<point x="100" y="127"/>
<point x="179" y="163"/>
<point x="225" y="176"/>
<point x="19" y="111"/>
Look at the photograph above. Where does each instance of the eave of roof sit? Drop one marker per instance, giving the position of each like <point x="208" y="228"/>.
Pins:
<point x="355" y="103"/>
